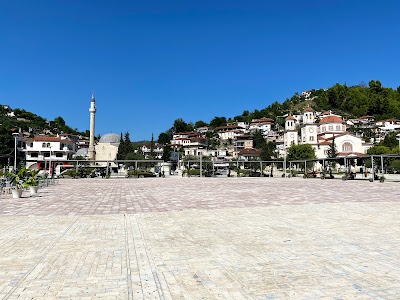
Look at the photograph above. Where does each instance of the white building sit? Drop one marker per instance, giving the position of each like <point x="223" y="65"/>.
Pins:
<point x="229" y="131"/>
<point x="47" y="152"/>
<point x="263" y="124"/>
<point x="158" y="151"/>
<point x="194" y="143"/>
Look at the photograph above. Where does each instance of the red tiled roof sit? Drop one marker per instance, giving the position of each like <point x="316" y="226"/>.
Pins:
<point x="308" y="109"/>
<point x="331" y="119"/>
<point x="288" y="118"/>
<point x="44" y="138"/>
<point x="228" y="127"/>
<point x="250" y="151"/>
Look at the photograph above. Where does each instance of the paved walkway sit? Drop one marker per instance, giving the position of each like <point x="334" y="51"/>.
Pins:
<point x="202" y="238"/>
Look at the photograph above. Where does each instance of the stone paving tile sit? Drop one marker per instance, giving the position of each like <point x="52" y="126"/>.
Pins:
<point x="202" y="238"/>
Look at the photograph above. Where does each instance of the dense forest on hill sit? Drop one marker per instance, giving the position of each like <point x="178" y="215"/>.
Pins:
<point x="350" y="101"/>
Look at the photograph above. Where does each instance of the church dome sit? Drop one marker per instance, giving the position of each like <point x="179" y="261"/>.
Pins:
<point x="110" y="138"/>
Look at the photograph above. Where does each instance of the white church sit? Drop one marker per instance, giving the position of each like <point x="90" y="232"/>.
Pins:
<point x="321" y="134"/>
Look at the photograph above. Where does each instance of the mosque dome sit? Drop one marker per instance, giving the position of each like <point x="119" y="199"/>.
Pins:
<point x="110" y="138"/>
<point x="82" y="152"/>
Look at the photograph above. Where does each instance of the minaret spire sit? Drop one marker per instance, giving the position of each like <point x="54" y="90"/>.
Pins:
<point x="92" y="111"/>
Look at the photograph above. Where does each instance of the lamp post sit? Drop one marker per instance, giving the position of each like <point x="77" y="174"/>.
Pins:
<point x="16" y="136"/>
<point x="398" y="138"/>
<point x="50" y="168"/>
<point x="284" y="156"/>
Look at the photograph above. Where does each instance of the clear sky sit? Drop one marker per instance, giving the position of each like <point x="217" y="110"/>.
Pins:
<point x="151" y="62"/>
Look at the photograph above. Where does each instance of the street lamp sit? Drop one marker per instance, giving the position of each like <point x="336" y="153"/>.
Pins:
<point x="16" y="136"/>
<point x="398" y="138"/>
<point x="50" y="168"/>
<point x="284" y="155"/>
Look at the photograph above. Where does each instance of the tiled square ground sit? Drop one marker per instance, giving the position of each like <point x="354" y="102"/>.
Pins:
<point x="202" y="238"/>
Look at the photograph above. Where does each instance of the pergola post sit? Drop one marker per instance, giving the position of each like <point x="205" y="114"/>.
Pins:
<point x="373" y="168"/>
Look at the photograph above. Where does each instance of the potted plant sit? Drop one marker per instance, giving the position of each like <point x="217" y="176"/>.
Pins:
<point x="16" y="180"/>
<point x="31" y="181"/>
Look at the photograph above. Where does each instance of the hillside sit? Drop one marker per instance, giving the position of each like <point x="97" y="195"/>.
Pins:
<point x="13" y="120"/>
<point x="348" y="101"/>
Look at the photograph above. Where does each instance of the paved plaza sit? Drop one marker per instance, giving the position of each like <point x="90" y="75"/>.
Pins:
<point x="202" y="238"/>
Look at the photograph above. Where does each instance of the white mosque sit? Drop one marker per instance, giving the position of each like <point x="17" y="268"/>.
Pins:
<point x="107" y="147"/>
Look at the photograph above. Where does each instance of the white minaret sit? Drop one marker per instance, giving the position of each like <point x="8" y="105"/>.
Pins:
<point x="92" y="110"/>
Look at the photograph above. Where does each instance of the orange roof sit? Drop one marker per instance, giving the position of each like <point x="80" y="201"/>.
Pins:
<point x="290" y="118"/>
<point x="250" y="151"/>
<point x="43" y="138"/>
<point x="308" y="109"/>
<point x="331" y="119"/>
<point x="227" y="127"/>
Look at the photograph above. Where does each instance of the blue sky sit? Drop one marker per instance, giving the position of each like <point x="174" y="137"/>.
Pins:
<point x="151" y="62"/>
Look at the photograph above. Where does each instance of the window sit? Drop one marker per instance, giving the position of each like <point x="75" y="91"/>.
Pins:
<point x="338" y="127"/>
<point x="43" y="145"/>
<point x="347" y="147"/>
<point x="34" y="154"/>
<point x="46" y="154"/>
<point x="330" y="128"/>
<point x="48" y="145"/>
<point x="323" y="128"/>
<point x="311" y="139"/>
<point x="59" y="155"/>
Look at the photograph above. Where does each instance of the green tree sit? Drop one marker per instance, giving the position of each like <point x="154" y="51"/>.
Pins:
<point x="6" y="145"/>
<point x="390" y="140"/>
<point x="165" y="138"/>
<point x="217" y="122"/>
<point x="332" y="151"/>
<point x="378" y="150"/>
<point x="125" y="146"/>
<point x="301" y="152"/>
<point x="59" y="122"/>
<point x="181" y="126"/>
<point x="167" y="153"/>
<point x="133" y="156"/>
<point x="200" y="123"/>
<point x="258" y="139"/>
<point x="267" y="151"/>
